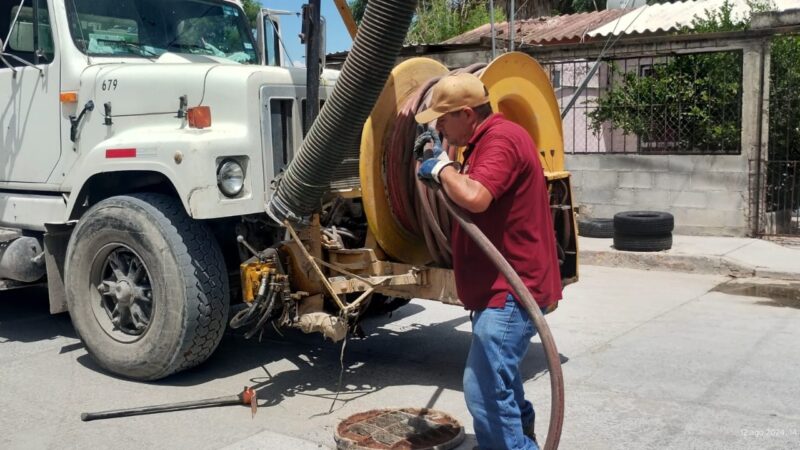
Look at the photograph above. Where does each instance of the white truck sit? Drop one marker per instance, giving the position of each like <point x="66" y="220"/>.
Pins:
<point x="141" y="141"/>
<point x="138" y="140"/>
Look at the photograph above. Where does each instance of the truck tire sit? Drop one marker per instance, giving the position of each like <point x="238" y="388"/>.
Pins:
<point x="596" y="228"/>
<point x="644" y="223"/>
<point x="642" y="243"/>
<point x="146" y="286"/>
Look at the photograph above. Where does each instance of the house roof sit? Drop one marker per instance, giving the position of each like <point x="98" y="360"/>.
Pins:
<point x="648" y="19"/>
<point x="564" y="28"/>
<point x="666" y="17"/>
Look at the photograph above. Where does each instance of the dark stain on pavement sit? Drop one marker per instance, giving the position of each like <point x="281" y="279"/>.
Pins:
<point x="779" y="295"/>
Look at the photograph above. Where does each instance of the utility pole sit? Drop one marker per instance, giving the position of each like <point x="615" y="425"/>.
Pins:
<point x="513" y="26"/>
<point x="312" y="28"/>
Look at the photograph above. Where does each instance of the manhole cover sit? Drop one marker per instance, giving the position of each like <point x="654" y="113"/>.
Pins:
<point x="399" y="429"/>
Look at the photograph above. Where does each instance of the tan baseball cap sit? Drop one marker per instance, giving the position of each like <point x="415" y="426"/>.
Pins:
<point x="452" y="93"/>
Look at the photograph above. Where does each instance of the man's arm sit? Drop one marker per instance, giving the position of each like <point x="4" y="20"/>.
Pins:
<point x="464" y="191"/>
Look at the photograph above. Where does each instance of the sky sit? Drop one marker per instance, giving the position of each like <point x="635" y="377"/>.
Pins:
<point x="337" y="38"/>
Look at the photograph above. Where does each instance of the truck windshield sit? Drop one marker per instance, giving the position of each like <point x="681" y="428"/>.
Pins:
<point x="149" y="28"/>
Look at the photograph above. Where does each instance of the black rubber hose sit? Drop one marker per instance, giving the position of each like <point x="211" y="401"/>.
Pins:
<point x="337" y="130"/>
<point x="550" y="350"/>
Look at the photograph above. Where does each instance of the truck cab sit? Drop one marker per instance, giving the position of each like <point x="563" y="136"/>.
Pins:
<point x="133" y="118"/>
<point x="143" y="65"/>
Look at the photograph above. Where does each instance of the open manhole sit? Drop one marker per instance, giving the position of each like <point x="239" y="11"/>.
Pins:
<point x="399" y="429"/>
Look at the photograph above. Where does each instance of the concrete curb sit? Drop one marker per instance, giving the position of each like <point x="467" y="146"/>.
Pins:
<point x="701" y="264"/>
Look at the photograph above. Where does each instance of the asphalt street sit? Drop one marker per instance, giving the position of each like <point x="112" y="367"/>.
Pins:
<point x="651" y="360"/>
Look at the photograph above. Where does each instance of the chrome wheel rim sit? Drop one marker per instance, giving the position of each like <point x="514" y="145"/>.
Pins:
<point x="122" y="295"/>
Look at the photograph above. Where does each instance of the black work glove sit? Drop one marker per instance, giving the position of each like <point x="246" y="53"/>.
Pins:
<point x="429" y="135"/>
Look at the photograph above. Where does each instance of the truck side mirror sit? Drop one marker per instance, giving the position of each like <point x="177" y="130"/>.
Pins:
<point x="3" y="61"/>
<point x="4" y="55"/>
<point x="268" y="37"/>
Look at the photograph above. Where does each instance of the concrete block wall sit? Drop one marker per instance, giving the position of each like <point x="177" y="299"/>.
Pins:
<point x="708" y="195"/>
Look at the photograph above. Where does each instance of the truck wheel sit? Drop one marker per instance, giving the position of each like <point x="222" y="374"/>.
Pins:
<point x="146" y="286"/>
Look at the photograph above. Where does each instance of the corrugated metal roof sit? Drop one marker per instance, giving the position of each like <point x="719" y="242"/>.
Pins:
<point x="564" y="28"/>
<point x="665" y="17"/>
<point x="648" y="19"/>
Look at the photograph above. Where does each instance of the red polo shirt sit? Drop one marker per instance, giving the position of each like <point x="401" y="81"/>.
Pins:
<point x="503" y="158"/>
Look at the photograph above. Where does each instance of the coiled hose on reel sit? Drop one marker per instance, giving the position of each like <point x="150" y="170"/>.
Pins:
<point x="416" y="207"/>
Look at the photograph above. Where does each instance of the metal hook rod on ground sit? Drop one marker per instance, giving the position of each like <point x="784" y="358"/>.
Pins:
<point x="246" y="397"/>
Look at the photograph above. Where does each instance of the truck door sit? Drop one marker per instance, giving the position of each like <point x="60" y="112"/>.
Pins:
<point x="30" y="122"/>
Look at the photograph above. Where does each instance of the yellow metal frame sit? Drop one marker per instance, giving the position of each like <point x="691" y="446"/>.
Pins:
<point x="347" y="17"/>
<point x="404" y="81"/>
<point x="556" y="175"/>
<point x="521" y="90"/>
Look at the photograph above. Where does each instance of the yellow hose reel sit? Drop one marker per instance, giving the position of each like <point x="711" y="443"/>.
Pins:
<point x="521" y="90"/>
<point x="518" y="87"/>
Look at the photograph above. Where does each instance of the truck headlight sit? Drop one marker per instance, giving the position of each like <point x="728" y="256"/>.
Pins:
<point x="230" y="178"/>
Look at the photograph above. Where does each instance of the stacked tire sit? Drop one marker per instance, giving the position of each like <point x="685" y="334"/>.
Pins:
<point x="596" y="228"/>
<point x="643" y="231"/>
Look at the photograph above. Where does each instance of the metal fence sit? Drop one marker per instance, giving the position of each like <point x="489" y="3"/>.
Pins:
<point x="669" y="104"/>
<point x="780" y="209"/>
<point x="685" y="95"/>
<point x="780" y="180"/>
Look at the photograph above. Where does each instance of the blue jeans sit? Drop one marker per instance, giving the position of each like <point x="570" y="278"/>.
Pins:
<point x="492" y="382"/>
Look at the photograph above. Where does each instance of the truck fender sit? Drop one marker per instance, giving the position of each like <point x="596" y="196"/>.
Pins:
<point x="138" y="177"/>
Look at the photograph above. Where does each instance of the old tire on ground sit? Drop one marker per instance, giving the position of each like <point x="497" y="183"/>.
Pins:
<point x="642" y="243"/>
<point x="596" y="228"/>
<point x="146" y="286"/>
<point x="644" y="223"/>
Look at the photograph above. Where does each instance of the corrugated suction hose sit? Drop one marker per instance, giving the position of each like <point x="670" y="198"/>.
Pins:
<point x="338" y="128"/>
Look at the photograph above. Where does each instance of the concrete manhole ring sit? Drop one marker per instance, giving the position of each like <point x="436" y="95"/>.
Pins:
<point x="399" y="429"/>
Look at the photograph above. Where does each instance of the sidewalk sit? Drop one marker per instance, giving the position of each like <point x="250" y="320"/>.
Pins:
<point x="730" y="256"/>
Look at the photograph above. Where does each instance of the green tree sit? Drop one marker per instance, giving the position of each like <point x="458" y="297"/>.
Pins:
<point x="251" y="9"/>
<point x="439" y="20"/>
<point x="358" y="8"/>
<point x="531" y="9"/>
<point x="784" y="103"/>
<point x="588" y="5"/>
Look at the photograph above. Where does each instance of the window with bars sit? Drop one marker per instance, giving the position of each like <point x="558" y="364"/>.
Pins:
<point x="675" y="104"/>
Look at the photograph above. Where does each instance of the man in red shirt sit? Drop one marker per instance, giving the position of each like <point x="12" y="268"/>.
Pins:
<point x="501" y="184"/>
